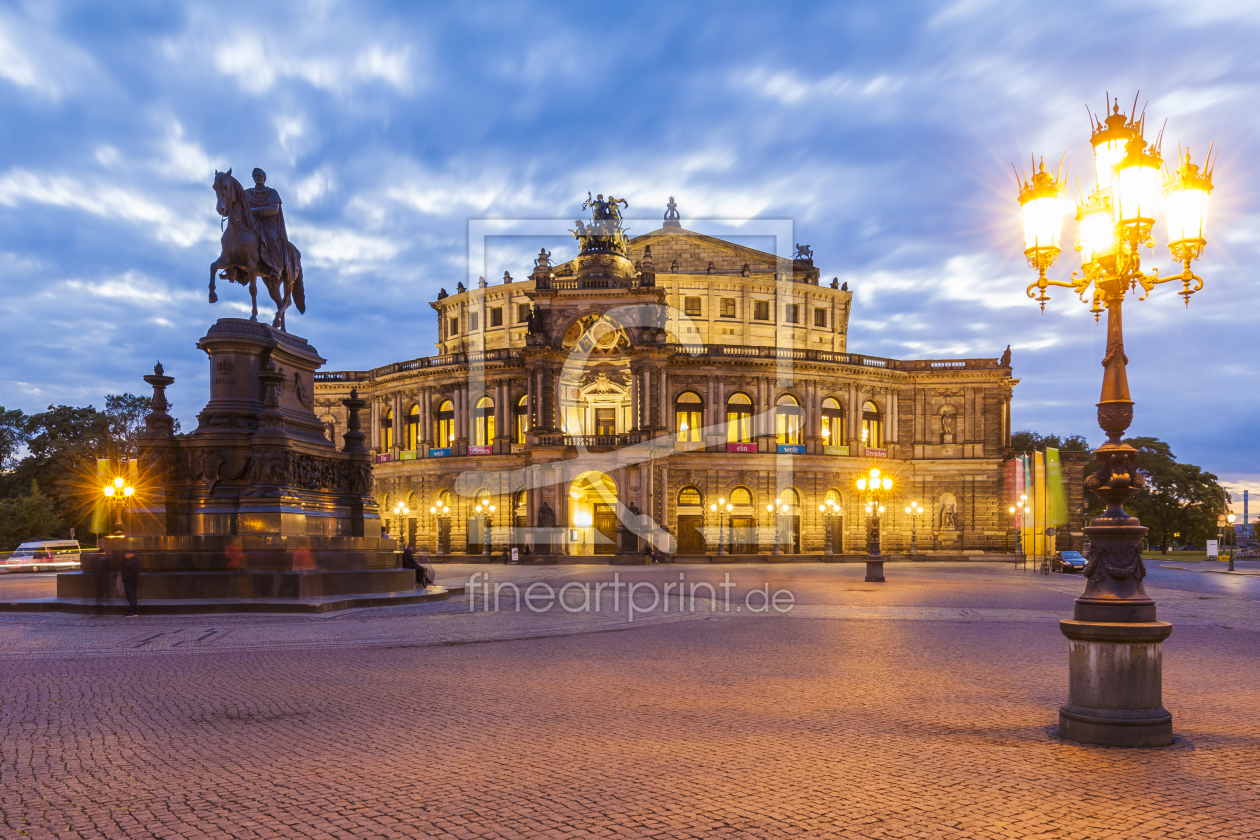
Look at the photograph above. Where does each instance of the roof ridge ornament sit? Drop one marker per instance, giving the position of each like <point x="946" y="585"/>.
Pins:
<point x="671" y="214"/>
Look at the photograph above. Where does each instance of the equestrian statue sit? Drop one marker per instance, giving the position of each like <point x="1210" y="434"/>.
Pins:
<point x="255" y="244"/>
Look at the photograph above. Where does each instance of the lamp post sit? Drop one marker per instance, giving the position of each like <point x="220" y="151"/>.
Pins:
<point x="400" y="511"/>
<point x="486" y="510"/>
<point x="874" y="487"/>
<point x="440" y="513"/>
<point x="583" y="520"/>
<point x="117" y="494"/>
<point x="915" y="510"/>
<point x="1114" y="694"/>
<point x="1231" y="519"/>
<point x="829" y="509"/>
<point x="1017" y="513"/>
<point x="776" y="509"/>
<point x="723" y="509"/>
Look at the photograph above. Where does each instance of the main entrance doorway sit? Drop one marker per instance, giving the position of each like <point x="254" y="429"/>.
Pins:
<point x="593" y="514"/>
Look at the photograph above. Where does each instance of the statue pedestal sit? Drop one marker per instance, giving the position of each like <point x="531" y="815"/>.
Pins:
<point x="256" y="502"/>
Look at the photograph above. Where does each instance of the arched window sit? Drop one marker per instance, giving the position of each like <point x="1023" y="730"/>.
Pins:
<point x="739" y="410"/>
<point x="387" y="430"/>
<point x="741" y="496"/>
<point x="689" y="496"/>
<point x="521" y="414"/>
<point x="412" y="435"/>
<point x="833" y="495"/>
<point x="788" y="418"/>
<point x="872" y="426"/>
<point x="444" y="425"/>
<point x="789" y="497"/>
<point x="687" y="416"/>
<point x="832" y="423"/>
<point x="483" y="422"/>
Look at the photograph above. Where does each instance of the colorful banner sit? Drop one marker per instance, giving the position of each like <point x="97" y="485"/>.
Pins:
<point x="440" y="453"/>
<point x="481" y="450"/>
<point x="1056" y="500"/>
<point x="408" y="455"/>
<point x="741" y="447"/>
<point x="384" y="458"/>
<point x="876" y="453"/>
<point x="100" y="512"/>
<point x="791" y="449"/>
<point x="835" y="450"/>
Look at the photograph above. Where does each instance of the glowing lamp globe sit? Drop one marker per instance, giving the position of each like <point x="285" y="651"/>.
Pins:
<point x="1136" y="188"/>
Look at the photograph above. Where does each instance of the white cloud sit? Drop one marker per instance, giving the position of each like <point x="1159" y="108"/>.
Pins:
<point x="103" y="199"/>
<point x="790" y="87"/>
<point x="342" y="247"/>
<point x="32" y="57"/>
<point x="257" y="64"/>
<point x="185" y="161"/>
<point x="314" y="187"/>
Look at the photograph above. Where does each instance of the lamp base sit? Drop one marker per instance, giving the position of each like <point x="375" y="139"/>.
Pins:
<point x="1115" y="676"/>
<point x="875" y="570"/>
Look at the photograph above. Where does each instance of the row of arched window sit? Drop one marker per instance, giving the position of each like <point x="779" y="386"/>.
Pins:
<point x="691" y="496"/>
<point x="789" y="419"/>
<point x="482" y="427"/>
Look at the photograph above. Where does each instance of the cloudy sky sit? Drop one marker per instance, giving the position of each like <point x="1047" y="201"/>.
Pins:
<point x="885" y="132"/>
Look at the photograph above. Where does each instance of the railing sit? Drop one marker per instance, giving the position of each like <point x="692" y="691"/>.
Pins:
<point x="475" y="357"/>
<point x="807" y="355"/>
<point x="587" y="284"/>
<point x="591" y="441"/>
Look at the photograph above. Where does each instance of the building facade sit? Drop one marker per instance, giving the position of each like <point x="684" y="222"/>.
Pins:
<point x="678" y="390"/>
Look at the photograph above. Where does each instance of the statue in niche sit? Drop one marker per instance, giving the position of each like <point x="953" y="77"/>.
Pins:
<point x="947" y="424"/>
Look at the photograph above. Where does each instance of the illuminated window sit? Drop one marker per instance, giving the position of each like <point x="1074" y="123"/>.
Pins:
<point x="789" y="497"/>
<point x="387" y="430"/>
<point x="521" y="413"/>
<point x="833" y="495"/>
<point x="739" y="410"/>
<point x="788" y="419"/>
<point x="832" y="423"/>
<point x="689" y="496"/>
<point x="483" y="422"/>
<point x="444" y="425"/>
<point x="691" y="307"/>
<point x="411" y="434"/>
<point x="687" y="411"/>
<point x="820" y="317"/>
<point x="761" y="310"/>
<point x="741" y="496"/>
<point x="728" y="307"/>
<point x="872" y="425"/>
<point x="496" y="316"/>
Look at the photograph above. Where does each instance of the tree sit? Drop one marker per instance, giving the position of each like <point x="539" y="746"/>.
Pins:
<point x="28" y="517"/>
<point x="63" y="444"/>
<point x="1027" y="440"/>
<point x="12" y="436"/>
<point x="1177" y="499"/>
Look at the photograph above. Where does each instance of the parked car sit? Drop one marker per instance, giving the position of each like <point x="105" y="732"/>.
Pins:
<point x="1069" y="561"/>
<point x="40" y="555"/>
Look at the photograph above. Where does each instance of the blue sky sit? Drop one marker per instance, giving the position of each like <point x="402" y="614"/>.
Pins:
<point x="885" y="131"/>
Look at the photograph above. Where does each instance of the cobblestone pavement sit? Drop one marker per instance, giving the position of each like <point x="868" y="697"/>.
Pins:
<point x="924" y="707"/>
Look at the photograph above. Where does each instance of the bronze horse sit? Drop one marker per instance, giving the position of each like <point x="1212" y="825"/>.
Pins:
<point x="240" y="260"/>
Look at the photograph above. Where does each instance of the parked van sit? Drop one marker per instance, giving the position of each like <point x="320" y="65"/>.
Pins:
<point x="44" y="554"/>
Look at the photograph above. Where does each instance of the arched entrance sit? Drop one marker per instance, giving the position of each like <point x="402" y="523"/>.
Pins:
<point x="593" y="513"/>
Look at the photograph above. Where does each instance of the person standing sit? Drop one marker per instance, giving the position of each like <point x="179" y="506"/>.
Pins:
<point x="131" y="583"/>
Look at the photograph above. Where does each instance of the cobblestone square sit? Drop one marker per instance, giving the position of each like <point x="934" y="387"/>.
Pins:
<point x="923" y="707"/>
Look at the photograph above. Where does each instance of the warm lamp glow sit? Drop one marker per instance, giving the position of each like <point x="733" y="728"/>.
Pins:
<point x="1097" y="228"/>
<point x="1136" y="188"/>
<point x="128" y="490"/>
<point x="887" y="483"/>
<point x="109" y="490"/>
<point x="861" y="483"/>
<point x="118" y="482"/>
<point x="1187" y="203"/>
<point x="1043" y="206"/>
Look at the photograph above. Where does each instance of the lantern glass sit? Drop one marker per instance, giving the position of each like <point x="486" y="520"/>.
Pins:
<point x="1106" y="155"/>
<point x="1097" y="228"/>
<point x="1187" y="207"/>
<point x="1135" y="187"/>
<point x="1043" y="222"/>
<point x="861" y="483"/>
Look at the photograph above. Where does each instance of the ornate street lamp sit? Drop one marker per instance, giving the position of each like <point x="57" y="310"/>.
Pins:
<point x="1230" y="519"/>
<point x="723" y="509"/>
<point x="486" y="510"/>
<point x="776" y="509"/>
<point x="1116" y="671"/>
<point x="829" y="509"/>
<point x="118" y="493"/>
<point x="874" y="487"/>
<point x="915" y="510"/>
<point x="400" y="511"/>
<point x="1017" y="513"/>
<point x="441" y="515"/>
